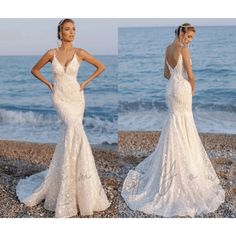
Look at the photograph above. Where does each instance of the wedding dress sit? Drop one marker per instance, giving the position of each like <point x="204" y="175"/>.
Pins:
<point x="71" y="183"/>
<point x="177" y="178"/>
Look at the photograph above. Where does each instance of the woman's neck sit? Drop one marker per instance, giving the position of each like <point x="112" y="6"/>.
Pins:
<point x="176" y="41"/>
<point x="66" y="46"/>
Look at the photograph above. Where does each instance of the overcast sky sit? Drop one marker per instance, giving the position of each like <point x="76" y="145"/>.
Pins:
<point x="33" y="36"/>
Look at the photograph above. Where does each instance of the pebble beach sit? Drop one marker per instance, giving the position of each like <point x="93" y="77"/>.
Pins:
<point x="21" y="159"/>
<point x="134" y="146"/>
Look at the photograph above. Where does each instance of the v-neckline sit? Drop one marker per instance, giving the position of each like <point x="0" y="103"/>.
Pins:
<point x="65" y="67"/>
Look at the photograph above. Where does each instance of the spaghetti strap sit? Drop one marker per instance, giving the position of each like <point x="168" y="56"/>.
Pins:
<point x="167" y="63"/>
<point x="54" y="51"/>
<point x="152" y="185"/>
<point x="75" y="52"/>
<point x="72" y="157"/>
<point x="54" y="54"/>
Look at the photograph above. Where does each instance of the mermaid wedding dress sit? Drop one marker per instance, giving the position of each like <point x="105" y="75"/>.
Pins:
<point x="71" y="183"/>
<point x="177" y="178"/>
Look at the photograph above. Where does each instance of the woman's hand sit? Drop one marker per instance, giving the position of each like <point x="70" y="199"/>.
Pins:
<point x="86" y="56"/>
<point x="192" y="92"/>
<point x="83" y="85"/>
<point x="48" y="56"/>
<point x="51" y="87"/>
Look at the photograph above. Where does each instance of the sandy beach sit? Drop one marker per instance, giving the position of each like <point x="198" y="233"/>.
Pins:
<point x="21" y="159"/>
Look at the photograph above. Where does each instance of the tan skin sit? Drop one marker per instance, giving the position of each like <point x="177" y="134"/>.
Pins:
<point x="64" y="55"/>
<point x="172" y="54"/>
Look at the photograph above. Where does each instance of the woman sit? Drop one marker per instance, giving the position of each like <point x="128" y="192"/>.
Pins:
<point x="71" y="184"/>
<point x="177" y="179"/>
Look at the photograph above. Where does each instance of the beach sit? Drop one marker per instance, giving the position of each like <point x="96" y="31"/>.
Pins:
<point x="21" y="159"/>
<point x="134" y="146"/>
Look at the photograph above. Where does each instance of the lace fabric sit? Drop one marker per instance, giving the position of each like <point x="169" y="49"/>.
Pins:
<point x="71" y="184"/>
<point x="177" y="178"/>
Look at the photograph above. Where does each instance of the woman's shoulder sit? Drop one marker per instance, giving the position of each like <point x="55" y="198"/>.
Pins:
<point x="169" y="48"/>
<point x="82" y="53"/>
<point x="185" y="51"/>
<point x="50" y="52"/>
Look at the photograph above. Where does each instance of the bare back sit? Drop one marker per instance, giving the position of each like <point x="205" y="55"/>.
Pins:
<point x="172" y="55"/>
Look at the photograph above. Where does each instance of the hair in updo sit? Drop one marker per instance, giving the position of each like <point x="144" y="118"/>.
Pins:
<point x="61" y="23"/>
<point x="184" y="28"/>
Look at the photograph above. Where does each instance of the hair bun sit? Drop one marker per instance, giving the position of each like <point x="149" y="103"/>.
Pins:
<point x="184" y="28"/>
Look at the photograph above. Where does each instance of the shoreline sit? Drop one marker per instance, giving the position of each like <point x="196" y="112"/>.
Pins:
<point x="142" y="143"/>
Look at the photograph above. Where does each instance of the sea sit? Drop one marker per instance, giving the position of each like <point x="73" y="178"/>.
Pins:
<point x="130" y="94"/>
<point x="27" y="112"/>
<point x="141" y="85"/>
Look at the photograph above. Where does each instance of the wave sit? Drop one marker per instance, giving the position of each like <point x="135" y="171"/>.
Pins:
<point x="212" y="71"/>
<point x="98" y="125"/>
<point x="44" y="127"/>
<point x="215" y="107"/>
<point x="138" y="106"/>
<point x="126" y="106"/>
<point x="26" y="117"/>
<point x="206" y="120"/>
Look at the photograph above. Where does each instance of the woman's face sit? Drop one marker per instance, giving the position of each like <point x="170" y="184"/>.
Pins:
<point x="187" y="37"/>
<point x="68" y="32"/>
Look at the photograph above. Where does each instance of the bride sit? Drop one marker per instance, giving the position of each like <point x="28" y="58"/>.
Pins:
<point x="177" y="179"/>
<point x="71" y="183"/>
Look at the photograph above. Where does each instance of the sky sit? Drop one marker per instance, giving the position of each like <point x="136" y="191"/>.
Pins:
<point x="32" y="36"/>
<point x="99" y="36"/>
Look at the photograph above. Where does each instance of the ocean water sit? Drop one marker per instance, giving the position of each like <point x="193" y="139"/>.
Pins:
<point x="26" y="110"/>
<point x="141" y="85"/>
<point x="130" y="94"/>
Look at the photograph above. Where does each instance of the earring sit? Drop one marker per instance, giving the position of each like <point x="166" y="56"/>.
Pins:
<point x="59" y="43"/>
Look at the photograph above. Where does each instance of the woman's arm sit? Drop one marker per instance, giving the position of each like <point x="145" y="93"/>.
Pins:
<point x="188" y="67"/>
<point x="86" y="56"/>
<point x="167" y="74"/>
<point x="36" y="69"/>
<point x="166" y="71"/>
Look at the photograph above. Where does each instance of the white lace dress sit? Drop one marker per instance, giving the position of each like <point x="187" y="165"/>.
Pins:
<point x="177" y="179"/>
<point x="71" y="183"/>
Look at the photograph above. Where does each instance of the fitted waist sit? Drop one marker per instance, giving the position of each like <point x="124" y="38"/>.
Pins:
<point x="178" y="76"/>
<point x="66" y="82"/>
